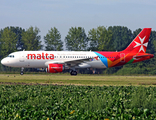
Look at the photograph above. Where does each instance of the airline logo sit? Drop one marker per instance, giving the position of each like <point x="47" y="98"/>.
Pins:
<point x="96" y="58"/>
<point x="40" y="56"/>
<point x="141" y="43"/>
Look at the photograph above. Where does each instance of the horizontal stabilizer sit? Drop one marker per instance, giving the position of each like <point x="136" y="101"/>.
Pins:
<point x="141" y="56"/>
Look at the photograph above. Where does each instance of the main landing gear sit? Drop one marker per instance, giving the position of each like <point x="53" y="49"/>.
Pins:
<point x="72" y="72"/>
<point x="22" y="69"/>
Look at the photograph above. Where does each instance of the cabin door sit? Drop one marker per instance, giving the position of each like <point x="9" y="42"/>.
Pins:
<point x="21" y="57"/>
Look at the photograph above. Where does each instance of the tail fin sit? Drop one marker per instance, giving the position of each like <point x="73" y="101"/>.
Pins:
<point x="139" y="44"/>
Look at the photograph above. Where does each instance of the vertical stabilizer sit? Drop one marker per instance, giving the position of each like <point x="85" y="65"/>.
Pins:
<point x="139" y="44"/>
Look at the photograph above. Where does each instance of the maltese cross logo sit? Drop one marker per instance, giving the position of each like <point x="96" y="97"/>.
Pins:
<point x="142" y="44"/>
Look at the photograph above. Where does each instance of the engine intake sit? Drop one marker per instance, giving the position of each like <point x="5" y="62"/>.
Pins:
<point x="55" y="68"/>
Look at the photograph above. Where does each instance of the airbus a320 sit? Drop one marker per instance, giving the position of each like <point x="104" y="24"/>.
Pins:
<point x="57" y="61"/>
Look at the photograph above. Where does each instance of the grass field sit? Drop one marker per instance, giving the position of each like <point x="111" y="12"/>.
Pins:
<point x="90" y="80"/>
<point x="77" y="97"/>
<point x="71" y="102"/>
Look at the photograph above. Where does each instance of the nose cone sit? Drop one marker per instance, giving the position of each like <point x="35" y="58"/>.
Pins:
<point x="3" y="61"/>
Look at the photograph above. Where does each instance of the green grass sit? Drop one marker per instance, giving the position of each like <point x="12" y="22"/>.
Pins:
<point x="40" y="102"/>
<point x="77" y="97"/>
<point x="90" y="80"/>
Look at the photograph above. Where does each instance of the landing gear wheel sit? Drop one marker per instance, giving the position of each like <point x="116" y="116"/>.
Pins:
<point x="73" y="73"/>
<point x="22" y="73"/>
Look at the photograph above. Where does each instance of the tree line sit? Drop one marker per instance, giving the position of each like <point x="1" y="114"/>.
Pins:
<point x="113" y="38"/>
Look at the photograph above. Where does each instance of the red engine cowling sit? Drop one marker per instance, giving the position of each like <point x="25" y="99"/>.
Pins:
<point x="55" y="68"/>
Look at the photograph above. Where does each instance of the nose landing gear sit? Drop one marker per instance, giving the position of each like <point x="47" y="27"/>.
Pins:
<point x="22" y="69"/>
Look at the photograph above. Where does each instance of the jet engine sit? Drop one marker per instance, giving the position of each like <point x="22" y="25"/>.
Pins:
<point x="55" y="68"/>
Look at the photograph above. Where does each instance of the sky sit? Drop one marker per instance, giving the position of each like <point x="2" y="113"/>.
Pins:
<point x="64" y="14"/>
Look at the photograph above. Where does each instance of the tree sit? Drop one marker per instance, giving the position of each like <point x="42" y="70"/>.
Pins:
<point x="94" y="40"/>
<point x="122" y="37"/>
<point x="18" y="31"/>
<point x="31" y="39"/>
<point x="151" y="48"/>
<point x="76" y="40"/>
<point x="136" y="32"/>
<point x="8" y="41"/>
<point x="100" y="39"/>
<point x="105" y="39"/>
<point x="0" y="44"/>
<point x="53" y="40"/>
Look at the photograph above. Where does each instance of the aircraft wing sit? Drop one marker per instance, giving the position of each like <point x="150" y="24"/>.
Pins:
<point x="76" y="62"/>
<point x="69" y="62"/>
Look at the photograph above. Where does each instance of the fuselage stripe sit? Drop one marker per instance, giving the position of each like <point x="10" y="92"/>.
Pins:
<point x="102" y="58"/>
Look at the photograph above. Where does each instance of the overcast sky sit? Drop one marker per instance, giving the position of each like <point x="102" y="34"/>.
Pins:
<point x="64" y="14"/>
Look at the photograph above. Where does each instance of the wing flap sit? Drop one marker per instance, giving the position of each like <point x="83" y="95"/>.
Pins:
<point x="76" y="62"/>
<point x="69" y="62"/>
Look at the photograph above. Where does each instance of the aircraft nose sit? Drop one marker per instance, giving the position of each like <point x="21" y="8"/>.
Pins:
<point x="3" y="61"/>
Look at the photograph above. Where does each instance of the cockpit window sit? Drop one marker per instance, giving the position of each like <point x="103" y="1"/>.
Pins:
<point x="11" y="56"/>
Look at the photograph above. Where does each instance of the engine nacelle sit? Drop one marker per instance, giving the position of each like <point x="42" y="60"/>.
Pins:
<point x="55" y="68"/>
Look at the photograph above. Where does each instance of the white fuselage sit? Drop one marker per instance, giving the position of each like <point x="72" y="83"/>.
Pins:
<point x="41" y="59"/>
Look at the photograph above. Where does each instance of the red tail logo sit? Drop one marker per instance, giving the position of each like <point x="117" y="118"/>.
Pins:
<point x="139" y="44"/>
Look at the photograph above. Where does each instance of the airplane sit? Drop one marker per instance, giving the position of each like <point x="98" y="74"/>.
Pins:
<point x="57" y="61"/>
